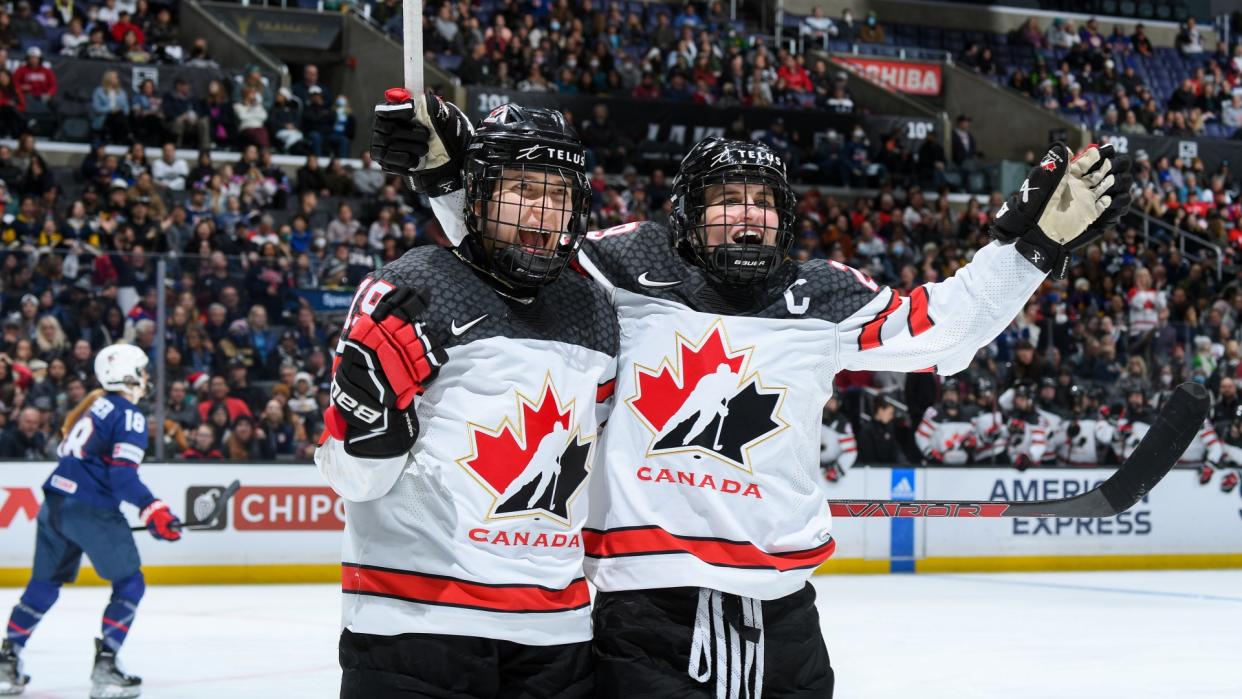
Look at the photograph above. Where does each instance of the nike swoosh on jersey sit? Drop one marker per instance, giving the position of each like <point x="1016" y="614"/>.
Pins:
<point x="642" y="279"/>
<point x="461" y="329"/>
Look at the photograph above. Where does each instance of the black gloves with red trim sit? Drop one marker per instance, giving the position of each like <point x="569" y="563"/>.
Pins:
<point x="384" y="361"/>
<point x="160" y="521"/>
<point x="1064" y="204"/>
<point x="421" y="139"/>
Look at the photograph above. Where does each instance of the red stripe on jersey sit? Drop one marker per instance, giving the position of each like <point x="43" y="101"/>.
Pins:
<point x="604" y="391"/>
<point x="870" y="338"/>
<point x="919" y="322"/>
<point x="929" y="370"/>
<point x="652" y="540"/>
<point x="451" y="592"/>
<point x="116" y="624"/>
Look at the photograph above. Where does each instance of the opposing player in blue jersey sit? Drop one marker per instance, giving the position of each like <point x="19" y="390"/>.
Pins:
<point x="104" y="440"/>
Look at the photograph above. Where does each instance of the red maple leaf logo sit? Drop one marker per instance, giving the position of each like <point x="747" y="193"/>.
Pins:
<point x="1050" y="165"/>
<point x="500" y="455"/>
<point x="661" y="392"/>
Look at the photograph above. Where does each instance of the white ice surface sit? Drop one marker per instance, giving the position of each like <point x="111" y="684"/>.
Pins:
<point x="1090" y="635"/>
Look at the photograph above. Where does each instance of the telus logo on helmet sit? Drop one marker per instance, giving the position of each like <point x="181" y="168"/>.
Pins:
<point x="542" y="152"/>
<point x="760" y="157"/>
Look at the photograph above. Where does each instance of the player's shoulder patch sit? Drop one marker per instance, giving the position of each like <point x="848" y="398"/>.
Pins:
<point x="835" y="291"/>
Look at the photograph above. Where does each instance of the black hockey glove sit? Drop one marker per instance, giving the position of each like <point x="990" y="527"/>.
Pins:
<point x="385" y="360"/>
<point x="422" y="140"/>
<point x="1064" y="204"/>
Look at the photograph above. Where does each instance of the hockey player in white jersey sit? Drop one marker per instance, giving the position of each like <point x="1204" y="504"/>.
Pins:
<point x="838" y="449"/>
<point x="701" y="553"/>
<point x="1230" y="464"/>
<point x="991" y="435"/>
<point x="467" y="394"/>
<point x="946" y="434"/>
<point x="1134" y="423"/>
<point x="1028" y="434"/>
<point x="1087" y="433"/>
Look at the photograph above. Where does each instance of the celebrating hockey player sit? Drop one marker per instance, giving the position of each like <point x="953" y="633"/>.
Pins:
<point x="946" y="434"/>
<point x="1028" y="433"/>
<point x="104" y="441"/>
<point x="1087" y="433"/>
<point x="466" y="399"/>
<point x="1231" y="459"/>
<point x="701" y="546"/>
<point x="837" y="447"/>
<point x="1134" y="423"/>
<point x="704" y="585"/>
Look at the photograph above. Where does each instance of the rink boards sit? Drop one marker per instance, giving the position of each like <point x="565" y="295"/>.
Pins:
<point x="285" y="524"/>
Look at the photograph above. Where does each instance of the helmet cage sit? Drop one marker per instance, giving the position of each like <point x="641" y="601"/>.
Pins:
<point x="517" y="144"/>
<point x="746" y="261"/>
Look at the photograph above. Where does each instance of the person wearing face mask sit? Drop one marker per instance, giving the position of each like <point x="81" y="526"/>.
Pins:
<point x="871" y="32"/>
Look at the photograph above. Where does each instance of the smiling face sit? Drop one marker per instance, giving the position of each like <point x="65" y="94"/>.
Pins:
<point x="530" y="209"/>
<point x="739" y="213"/>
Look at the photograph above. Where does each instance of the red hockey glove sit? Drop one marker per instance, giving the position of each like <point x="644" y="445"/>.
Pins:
<point x="1229" y="482"/>
<point x="161" y="522"/>
<point x="935" y="457"/>
<point x="1022" y="463"/>
<point x="1205" y="474"/>
<point x="384" y="361"/>
<point x="833" y="473"/>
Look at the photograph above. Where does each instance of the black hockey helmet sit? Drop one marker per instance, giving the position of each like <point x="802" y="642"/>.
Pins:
<point x="951" y="385"/>
<point x="1047" y="382"/>
<point x="984" y="387"/>
<point x="710" y="165"/>
<point x="513" y="150"/>
<point x="1023" y="390"/>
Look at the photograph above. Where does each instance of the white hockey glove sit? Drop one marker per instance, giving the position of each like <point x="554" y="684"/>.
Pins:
<point x="1064" y="204"/>
<point x="422" y="139"/>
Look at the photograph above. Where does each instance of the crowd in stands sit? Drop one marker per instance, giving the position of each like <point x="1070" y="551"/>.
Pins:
<point x="246" y="356"/>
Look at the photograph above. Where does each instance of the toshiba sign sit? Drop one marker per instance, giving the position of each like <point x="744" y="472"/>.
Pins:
<point x="902" y="76"/>
<point x="276" y="507"/>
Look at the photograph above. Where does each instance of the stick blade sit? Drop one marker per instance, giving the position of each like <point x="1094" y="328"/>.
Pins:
<point x="1179" y="421"/>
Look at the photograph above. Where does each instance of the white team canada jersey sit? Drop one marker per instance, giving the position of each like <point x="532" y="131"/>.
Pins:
<point x="950" y="441"/>
<point x="711" y="456"/>
<point x="1054" y="432"/>
<point x="1204" y="448"/>
<point x="837" y="445"/>
<point x="1028" y="436"/>
<point x="991" y="435"/>
<point x="1129" y="434"/>
<point x="1084" y="449"/>
<point x="477" y="531"/>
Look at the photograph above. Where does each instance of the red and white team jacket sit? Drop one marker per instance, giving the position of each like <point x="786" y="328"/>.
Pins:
<point x="710" y="461"/>
<point x="1206" y="447"/>
<point x="945" y="440"/>
<point x="991" y="435"/>
<point x="478" y="530"/>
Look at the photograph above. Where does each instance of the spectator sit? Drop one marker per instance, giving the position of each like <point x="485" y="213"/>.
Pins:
<point x="12" y="106"/>
<point x="25" y="26"/>
<point x="35" y="80"/>
<point x="368" y="178"/>
<point x="284" y="122"/>
<point x="203" y="448"/>
<point x="282" y="428"/>
<point x="245" y="443"/>
<point x="24" y="440"/>
<point x="74" y="38"/>
<point x="147" y="114"/>
<point x="818" y="27"/>
<point x="169" y="171"/>
<point x="220" y="114"/>
<point x="342" y="133"/>
<point x="183" y="114"/>
<point x="110" y="109"/>
<point x="218" y="395"/>
<point x="877" y="441"/>
<point x="318" y="121"/>
<point x="871" y="32"/>
<point x="1190" y="39"/>
<point x="132" y="50"/>
<point x="964" y="147"/>
<point x="310" y="80"/>
<point x="96" y="47"/>
<point x="251" y="119"/>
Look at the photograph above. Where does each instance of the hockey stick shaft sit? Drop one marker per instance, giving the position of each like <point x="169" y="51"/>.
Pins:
<point x="412" y="45"/>
<point x="1179" y="421"/>
<point x="222" y="503"/>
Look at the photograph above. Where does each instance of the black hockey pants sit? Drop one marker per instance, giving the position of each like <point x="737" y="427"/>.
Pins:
<point x="436" y="666"/>
<point x="645" y="640"/>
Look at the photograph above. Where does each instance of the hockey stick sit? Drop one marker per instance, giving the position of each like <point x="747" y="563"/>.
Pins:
<point x="217" y="510"/>
<point x="1178" y="423"/>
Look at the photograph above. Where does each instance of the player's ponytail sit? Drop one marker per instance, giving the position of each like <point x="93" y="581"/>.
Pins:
<point x="76" y="413"/>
